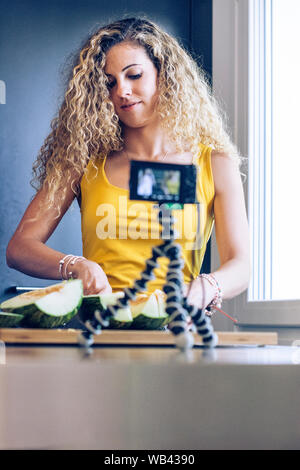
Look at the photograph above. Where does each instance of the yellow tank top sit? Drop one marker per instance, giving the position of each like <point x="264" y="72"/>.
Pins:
<point x="119" y="234"/>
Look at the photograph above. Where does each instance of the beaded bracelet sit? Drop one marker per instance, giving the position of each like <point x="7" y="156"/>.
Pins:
<point x="218" y="297"/>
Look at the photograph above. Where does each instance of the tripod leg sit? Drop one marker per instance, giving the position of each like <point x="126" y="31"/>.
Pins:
<point x="174" y="303"/>
<point x="203" y="325"/>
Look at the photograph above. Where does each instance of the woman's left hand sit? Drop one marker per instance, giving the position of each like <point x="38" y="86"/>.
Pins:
<point x="200" y="292"/>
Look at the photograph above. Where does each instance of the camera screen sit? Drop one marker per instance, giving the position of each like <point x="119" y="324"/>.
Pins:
<point x="159" y="184"/>
<point x="165" y="183"/>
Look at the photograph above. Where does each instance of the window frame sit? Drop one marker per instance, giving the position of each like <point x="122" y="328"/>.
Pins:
<point x="231" y="36"/>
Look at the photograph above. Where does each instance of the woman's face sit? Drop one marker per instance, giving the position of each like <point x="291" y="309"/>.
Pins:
<point x="132" y="79"/>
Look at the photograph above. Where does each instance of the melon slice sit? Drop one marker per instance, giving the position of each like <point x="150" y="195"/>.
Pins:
<point x="90" y="303"/>
<point x="49" y="307"/>
<point x="148" y="311"/>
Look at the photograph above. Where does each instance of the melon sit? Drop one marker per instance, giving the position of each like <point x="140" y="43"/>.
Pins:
<point x="8" y="320"/>
<point x="147" y="312"/>
<point x="49" y="307"/>
<point x="90" y="303"/>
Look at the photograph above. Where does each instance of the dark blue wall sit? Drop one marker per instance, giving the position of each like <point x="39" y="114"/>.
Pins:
<point x="35" y="40"/>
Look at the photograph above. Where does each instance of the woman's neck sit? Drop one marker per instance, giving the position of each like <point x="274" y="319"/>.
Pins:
<point x="148" y="142"/>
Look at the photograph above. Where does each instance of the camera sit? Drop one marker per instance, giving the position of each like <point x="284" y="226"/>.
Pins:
<point x="164" y="183"/>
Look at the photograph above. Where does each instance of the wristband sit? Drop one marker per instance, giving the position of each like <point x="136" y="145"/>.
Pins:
<point x="63" y="264"/>
<point x="72" y="262"/>
<point x="218" y="297"/>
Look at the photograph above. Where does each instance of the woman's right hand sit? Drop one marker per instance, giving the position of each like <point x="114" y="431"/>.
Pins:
<point x="93" y="277"/>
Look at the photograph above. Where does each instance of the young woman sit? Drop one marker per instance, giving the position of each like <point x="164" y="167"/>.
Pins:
<point x="136" y="94"/>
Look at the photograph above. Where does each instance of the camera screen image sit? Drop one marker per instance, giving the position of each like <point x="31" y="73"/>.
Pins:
<point x="165" y="183"/>
<point x="159" y="184"/>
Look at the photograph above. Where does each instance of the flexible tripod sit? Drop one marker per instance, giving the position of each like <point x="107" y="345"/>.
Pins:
<point x="176" y="304"/>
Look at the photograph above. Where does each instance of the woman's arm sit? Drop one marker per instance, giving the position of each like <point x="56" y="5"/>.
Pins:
<point x="231" y="227"/>
<point x="232" y="235"/>
<point x="27" y="251"/>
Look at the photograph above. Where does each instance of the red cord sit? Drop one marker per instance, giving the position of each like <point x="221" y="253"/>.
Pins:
<point x="226" y="314"/>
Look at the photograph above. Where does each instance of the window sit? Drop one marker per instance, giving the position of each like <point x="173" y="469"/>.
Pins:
<point x="274" y="155"/>
<point x="256" y="74"/>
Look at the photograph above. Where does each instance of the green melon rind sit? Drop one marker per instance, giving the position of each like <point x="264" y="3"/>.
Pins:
<point x="115" y="324"/>
<point x="8" y="320"/>
<point x="36" y="317"/>
<point x="144" y="322"/>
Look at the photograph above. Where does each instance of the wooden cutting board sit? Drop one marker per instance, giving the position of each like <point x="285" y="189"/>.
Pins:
<point x="129" y="337"/>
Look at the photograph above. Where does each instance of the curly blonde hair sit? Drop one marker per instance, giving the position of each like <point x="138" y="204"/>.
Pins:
<point x="87" y="126"/>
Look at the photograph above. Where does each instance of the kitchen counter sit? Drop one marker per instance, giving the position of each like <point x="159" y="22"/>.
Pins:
<point x="149" y="397"/>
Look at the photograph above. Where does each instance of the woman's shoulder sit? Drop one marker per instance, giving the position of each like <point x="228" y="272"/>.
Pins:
<point x="207" y="153"/>
<point x="222" y="160"/>
<point x="225" y="170"/>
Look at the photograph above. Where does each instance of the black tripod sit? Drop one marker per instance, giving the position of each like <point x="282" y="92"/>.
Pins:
<point x="176" y="304"/>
